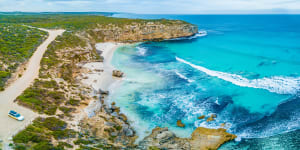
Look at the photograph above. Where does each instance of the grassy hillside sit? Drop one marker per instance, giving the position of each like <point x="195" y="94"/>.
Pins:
<point x="17" y="44"/>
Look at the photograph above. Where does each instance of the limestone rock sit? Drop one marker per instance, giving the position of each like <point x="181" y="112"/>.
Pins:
<point x="117" y="73"/>
<point x="123" y="117"/>
<point x="162" y="138"/>
<point x="111" y="124"/>
<point x="103" y="92"/>
<point x="204" y="138"/>
<point x="144" y="31"/>
<point x="127" y="131"/>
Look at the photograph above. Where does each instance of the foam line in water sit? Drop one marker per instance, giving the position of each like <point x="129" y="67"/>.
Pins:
<point x="183" y="77"/>
<point x="199" y="34"/>
<point x="276" y="84"/>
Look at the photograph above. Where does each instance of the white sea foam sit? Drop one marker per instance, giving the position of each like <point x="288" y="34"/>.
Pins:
<point x="183" y="77"/>
<point x="276" y="84"/>
<point x="141" y="51"/>
<point x="199" y="34"/>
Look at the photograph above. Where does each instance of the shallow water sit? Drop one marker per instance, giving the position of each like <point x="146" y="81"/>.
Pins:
<point x="245" y="70"/>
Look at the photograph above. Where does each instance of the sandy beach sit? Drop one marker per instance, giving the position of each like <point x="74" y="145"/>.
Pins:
<point x="9" y="126"/>
<point x="99" y="75"/>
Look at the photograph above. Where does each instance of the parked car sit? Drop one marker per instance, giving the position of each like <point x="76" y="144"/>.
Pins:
<point x="15" y="115"/>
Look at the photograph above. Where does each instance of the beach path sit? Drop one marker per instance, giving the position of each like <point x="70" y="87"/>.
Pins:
<point x="9" y="126"/>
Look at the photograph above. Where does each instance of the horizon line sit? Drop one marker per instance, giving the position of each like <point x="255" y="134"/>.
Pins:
<point x="270" y="13"/>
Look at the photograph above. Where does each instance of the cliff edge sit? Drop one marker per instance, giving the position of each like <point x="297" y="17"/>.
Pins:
<point x="143" y="31"/>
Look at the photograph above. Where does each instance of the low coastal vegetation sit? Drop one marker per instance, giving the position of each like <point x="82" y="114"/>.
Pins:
<point x="17" y="44"/>
<point x="75" y="22"/>
<point x="41" y="134"/>
<point x="43" y="97"/>
<point x="101" y="28"/>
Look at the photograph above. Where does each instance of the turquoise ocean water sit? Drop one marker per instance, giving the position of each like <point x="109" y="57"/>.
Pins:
<point x="246" y="70"/>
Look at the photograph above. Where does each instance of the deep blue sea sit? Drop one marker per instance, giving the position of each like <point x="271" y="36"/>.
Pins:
<point x="245" y="69"/>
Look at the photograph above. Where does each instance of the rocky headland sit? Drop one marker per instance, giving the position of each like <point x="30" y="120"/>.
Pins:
<point x="143" y="31"/>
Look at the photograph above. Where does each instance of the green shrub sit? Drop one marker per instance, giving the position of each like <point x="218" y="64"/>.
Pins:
<point x="66" y="110"/>
<point x="62" y="145"/>
<point x="82" y="141"/>
<point x="73" y="102"/>
<point x="64" y="134"/>
<point x="38" y="135"/>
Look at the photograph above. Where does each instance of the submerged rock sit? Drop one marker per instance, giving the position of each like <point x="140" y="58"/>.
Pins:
<point x="201" y="117"/>
<point x="180" y="124"/>
<point x="211" y="118"/>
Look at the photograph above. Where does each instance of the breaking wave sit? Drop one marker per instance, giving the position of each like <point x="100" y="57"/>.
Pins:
<point x="199" y="34"/>
<point x="141" y="51"/>
<point x="276" y="84"/>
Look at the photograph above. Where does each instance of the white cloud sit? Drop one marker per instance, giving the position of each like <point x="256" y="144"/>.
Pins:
<point x="155" y="6"/>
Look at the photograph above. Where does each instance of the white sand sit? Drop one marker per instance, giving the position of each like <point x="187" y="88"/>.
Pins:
<point x="9" y="126"/>
<point x="100" y="80"/>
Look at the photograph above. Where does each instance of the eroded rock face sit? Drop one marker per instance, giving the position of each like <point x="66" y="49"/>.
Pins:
<point x="144" y="31"/>
<point x="201" y="139"/>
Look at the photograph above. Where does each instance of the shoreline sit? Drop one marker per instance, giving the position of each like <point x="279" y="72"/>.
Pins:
<point x="99" y="78"/>
<point x="98" y="75"/>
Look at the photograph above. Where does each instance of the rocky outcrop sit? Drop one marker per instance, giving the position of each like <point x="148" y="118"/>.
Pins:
<point x="204" y="138"/>
<point x="143" y="31"/>
<point x="117" y="73"/>
<point x="110" y="126"/>
<point x="201" y="139"/>
<point x="162" y="138"/>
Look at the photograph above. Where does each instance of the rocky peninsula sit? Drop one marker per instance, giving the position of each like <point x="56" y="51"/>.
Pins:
<point x="74" y="80"/>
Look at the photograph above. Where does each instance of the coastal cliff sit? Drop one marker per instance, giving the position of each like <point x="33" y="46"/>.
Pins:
<point x="143" y="31"/>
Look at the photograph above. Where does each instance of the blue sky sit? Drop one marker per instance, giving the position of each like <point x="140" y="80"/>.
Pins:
<point x="156" y="6"/>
